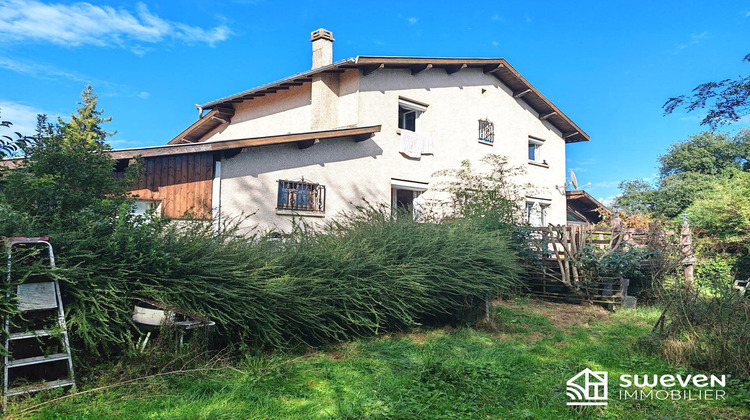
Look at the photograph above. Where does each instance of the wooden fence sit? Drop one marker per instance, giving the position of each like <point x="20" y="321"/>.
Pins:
<point x="558" y="277"/>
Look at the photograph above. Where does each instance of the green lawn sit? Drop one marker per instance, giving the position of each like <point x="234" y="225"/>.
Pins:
<point x="519" y="372"/>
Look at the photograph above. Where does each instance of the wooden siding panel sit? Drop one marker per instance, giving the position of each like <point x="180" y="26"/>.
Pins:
<point x="147" y="182"/>
<point x="190" y="178"/>
<point x="179" y="200"/>
<point x="170" y="190"/>
<point x="182" y="183"/>
<point x="156" y="178"/>
<point x="199" y="189"/>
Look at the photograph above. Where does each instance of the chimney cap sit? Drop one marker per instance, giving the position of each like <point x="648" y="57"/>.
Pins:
<point x="321" y="34"/>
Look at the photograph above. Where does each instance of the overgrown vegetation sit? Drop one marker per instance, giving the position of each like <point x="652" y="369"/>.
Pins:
<point x="707" y="328"/>
<point x="707" y="323"/>
<point x="517" y="372"/>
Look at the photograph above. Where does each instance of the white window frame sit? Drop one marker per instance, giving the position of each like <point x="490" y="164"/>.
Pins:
<point x="417" y="188"/>
<point x="142" y="207"/>
<point x="417" y="108"/>
<point x="531" y="205"/>
<point x="537" y="143"/>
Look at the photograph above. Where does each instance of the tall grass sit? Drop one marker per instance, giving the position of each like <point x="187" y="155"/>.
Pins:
<point x="710" y="331"/>
<point x="361" y="275"/>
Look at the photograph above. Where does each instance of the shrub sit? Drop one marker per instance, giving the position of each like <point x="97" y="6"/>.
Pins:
<point x="365" y="274"/>
<point x="708" y="329"/>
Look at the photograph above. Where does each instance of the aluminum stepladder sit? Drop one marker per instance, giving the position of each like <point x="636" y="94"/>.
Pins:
<point x="37" y="296"/>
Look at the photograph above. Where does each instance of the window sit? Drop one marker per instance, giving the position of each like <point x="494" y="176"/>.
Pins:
<point x="301" y="196"/>
<point x="486" y="131"/>
<point x="410" y="115"/>
<point x="534" y="150"/>
<point x="407" y="195"/>
<point x="536" y="213"/>
<point x="145" y="206"/>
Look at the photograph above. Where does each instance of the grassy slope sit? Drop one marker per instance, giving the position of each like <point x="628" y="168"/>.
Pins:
<point x="519" y="372"/>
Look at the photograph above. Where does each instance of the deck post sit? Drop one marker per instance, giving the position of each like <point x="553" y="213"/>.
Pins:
<point x="689" y="260"/>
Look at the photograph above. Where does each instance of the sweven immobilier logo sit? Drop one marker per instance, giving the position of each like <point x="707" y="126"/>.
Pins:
<point x="589" y="387"/>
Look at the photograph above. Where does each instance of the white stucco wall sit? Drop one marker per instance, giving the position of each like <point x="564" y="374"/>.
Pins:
<point x="354" y="171"/>
<point x="456" y="103"/>
<point x="286" y="111"/>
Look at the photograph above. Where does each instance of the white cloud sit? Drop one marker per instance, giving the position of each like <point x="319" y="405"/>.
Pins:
<point x="605" y="184"/>
<point x="694" y="40"/>
<point x="40" y="70"/>
<point x="608" y="201"/>
<point x="495" y="43"/>
<point x="22" y="116"/>
<point x="123" y="143"/>
<point x="409" y="19"/>
<point x="49" y="72"/>
<point x="77" y="24"/>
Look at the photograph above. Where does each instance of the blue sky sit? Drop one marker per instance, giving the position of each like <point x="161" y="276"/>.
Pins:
<point x="608" y="65"/>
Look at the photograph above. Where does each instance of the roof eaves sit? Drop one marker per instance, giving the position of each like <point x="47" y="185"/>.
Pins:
<point x="302" y="75"/>
<point x="573" y="134"/>
<point x="358" y="133"/>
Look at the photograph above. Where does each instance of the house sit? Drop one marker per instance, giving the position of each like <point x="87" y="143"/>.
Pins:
<point x="366" y="128"/>
<point x="583" y="209"/>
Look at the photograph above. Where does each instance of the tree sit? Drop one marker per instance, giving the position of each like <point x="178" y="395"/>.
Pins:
<point x="66" y="171"/>
<point x="707" y="153"/>
<point x="84" y="127"/>
<point x="688" y="169"/>
<point x="728" y="100"/>
<point x="10" y="143"/>
<point x="637" y="197"/>
<point x="724" y="211"/>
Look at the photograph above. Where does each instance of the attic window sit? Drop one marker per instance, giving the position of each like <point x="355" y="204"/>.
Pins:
<point x="410" y="115"/>
<point x="486" y="131"/>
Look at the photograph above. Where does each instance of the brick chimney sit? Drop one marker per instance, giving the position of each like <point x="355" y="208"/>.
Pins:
<point x="322" y="46"/>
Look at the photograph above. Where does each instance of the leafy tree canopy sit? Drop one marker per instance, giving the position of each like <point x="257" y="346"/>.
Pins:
<point x="688" y="169"/>
<point x="707" y="153"/>
<point x="10" y="140"/>
<point x="724" y="210"/>
<point x="727" y="100"/>
<point x="65" y="171"/>
<point x="669" y="198"/>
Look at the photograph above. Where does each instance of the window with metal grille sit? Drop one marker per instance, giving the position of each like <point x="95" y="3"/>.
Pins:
<point x="486" y="131"/>
<point x="301" y="196"/>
